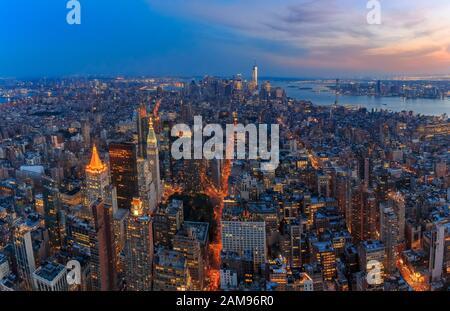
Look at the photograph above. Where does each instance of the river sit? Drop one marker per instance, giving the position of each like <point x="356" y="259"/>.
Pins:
<point x="423" y="106"/>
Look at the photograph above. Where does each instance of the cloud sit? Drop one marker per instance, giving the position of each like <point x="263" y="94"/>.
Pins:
<point x="414" y="36"/>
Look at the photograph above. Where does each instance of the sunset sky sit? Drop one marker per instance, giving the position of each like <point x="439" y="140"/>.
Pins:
<point x="294" y="38"/>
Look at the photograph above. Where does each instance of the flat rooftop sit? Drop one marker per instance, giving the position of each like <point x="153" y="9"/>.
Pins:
<point x="372" y="244"/>
<point x="200" y="229"/>
<point x="49" y="271"/>
<point x="261" y="208"/>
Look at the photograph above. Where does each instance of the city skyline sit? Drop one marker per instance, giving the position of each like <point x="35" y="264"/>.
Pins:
<point x="94" y="197"/>
<point x="185" y="38"/>
<point x="242" y="147"/>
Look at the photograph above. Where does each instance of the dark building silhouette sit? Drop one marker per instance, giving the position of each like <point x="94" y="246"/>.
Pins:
<point x="103" y="262"/>
<point x="124" y="176"/>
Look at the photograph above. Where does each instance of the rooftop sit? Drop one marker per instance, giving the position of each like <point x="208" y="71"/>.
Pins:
<point x="323" y="246"/>
<point x="95" y="165"/>
<point x="261" y="208"/>
<point x="170" y="258"/>
<point x="372" y="244"/>
<point x="49" y="271"/>
<point x="200" y="229"/>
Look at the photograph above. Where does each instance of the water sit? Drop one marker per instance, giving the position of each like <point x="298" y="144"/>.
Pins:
<point x="423" y="106"/>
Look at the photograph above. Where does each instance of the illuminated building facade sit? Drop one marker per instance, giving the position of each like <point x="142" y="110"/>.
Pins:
<point x="97" y="178"/>
<point x="102" y="251"/>
<point x="278" y="274"/>
<point x="124" y="173"/>
<point x="324" y="254"/>
<point x="241" y="236"/>
<point x="372" y="256"/>
<point x="142" y="129"/>
<point x="153" y="159"/>
<point x="171" y="272"/>
<point x="147" y="191"/>
<point x="25" y="260"/>
<point x="191" y="241"/>
<point x="138" y="249"/>
<point x="389" y="236"/>
<point x="363" y="213"/>
<point x="168" y="220"/>
<point x="52" y="211"/>
<point x="439" y="263"/>
<point x="51" y="277"/>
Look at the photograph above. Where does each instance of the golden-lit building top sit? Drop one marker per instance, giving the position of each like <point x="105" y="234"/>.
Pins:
<point x="95" y="165"/>
<point x="136" y="207"/>
<point x="151" y="137"/>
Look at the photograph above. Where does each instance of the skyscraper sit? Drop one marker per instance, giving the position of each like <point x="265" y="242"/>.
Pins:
<point x="147" y="191"/>
<point x="52" y="213"/>
<point x="188" y="241"/>
<point x="168" y="220"/>
<point x="241" y="236"/>
<point x="23" y="250"/>
<point x="296" y="244"/>
<point x="153" y="158"/>
<point x="142" y="129"/>
<point x="124" y="173"/>
<point x="343" y="195"/>
<point x="103" y="261"/>
<point x="97" y="178"/>
<point x="440" y="237"/>
<point x="359" y="215"/>
<point x="255" y="76"/>
<point x="389" y="235"/>
<point x="139" y="248"/>
<point x="371" y="261"/>
<point x="52" y="276"/>
<point x="397" y="200"/>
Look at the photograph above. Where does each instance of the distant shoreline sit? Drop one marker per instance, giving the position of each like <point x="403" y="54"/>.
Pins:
<point x="423" y="106"/>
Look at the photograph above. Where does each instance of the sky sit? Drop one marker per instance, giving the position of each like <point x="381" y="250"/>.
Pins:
<point x="286" y="38"/>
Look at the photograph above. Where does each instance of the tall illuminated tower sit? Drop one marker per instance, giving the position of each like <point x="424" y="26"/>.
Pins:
<point x="139" y="248"/>
<point x="52" y="213"/>
<point x="147" y="187"/>
<point x="153" y="158"/>
<point x="255" y="75"/>
<point x="97" y="178"/>
<point x="23" y="249"/>
<point x="389" y="235"/>
<point x="439" y="246"/>
<point x="142" y="129"/>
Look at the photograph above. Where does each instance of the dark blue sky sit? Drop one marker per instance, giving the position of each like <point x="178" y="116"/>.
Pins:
<point x="115" y="37"/>
<point x="220" y="37"/>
